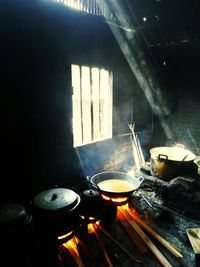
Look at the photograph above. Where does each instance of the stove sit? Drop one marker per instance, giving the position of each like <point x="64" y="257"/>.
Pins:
<point x="111" y="231"/>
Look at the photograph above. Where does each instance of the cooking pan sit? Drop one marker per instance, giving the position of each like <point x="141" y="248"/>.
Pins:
<point x="115" y="184"/>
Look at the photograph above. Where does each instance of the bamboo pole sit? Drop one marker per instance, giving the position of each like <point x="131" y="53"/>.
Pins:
<point x="133" y="235"/>
<point x="102" y="246"/>
<point x="172" y="248"/>
<point x="161" y="258"/>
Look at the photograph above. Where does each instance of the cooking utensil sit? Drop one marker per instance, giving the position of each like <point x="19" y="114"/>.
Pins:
<point x="55" y="211"/>
<point x="115" y="184"/>
<point x="56" y="201"/>
<point x="13" y="218"/>
<point x="170" y="162"/>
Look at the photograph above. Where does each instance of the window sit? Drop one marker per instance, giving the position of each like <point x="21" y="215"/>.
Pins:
<point x="91" y="104"/>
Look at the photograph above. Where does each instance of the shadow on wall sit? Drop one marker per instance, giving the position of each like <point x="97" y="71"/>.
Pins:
<point x="113" y="154"/>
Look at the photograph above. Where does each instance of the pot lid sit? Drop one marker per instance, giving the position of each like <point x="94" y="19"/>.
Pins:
<point x="11" y="212"/>
<point x="57" y="199"/>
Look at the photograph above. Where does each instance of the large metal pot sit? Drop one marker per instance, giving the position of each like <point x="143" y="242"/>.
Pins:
<point x="169" y="162"/>
<point x="55" y="210"/>
<point x="116" y="184"/>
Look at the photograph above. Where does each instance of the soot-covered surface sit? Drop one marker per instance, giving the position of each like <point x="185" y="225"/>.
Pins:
<point x="171" y="207"/>
<point x="170" y="224"/>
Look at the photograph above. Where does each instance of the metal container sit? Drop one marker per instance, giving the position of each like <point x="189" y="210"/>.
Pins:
<point x="116" y="184"/>
<point x="55" y="210"/>
<point x="169" y="162"/>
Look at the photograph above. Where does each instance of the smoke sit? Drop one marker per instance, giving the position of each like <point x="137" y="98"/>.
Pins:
<point x="140" y="60"/>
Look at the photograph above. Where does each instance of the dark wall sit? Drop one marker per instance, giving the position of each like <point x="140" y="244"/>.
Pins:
<point x="182" y="79"/>
<point x="39" y="41"/>
<point x="36" y="138"/>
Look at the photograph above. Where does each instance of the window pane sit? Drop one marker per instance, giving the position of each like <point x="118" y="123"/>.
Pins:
<point x="92" y="104"/>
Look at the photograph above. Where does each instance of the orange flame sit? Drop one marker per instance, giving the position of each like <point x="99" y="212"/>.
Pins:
<point x="116" y="199"/>
<point x="71" y="245"/>
<point x="64" y="236"/>
<point x="91" y="227"/>
<point x="125" y="206"/>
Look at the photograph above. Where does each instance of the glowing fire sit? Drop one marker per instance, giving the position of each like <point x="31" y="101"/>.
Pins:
<point x="65" y="236"/>
<point x="88" y="218"/>
<point x="91" y="227"/>
<point x="126" y="206"/>
<point x="116" y="199"/>
<point x="126" y="211"/>
<point x="71" y="245"/>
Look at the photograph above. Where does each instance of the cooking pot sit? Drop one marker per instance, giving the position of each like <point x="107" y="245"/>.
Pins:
<point x="115" y="184"/>
<point x="15" y="234"/>
<point x="169" y="162"/>
<point x="13" y="219"/>
<point x="55" y="210"/>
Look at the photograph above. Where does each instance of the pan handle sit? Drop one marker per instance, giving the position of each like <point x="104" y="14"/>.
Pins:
<point x="161" y="157"/>
<point x="140" y="178"/>
<point x="91" y="183"/>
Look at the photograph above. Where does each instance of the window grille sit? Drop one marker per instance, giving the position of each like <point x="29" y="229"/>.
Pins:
<point x="94" y="7"/>
<point x="92" y="104"/>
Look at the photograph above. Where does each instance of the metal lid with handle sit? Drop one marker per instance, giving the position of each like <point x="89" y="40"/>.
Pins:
<point x="56" y="200"/>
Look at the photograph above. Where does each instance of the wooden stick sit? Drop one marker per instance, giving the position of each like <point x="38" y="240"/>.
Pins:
<point x="161" y="258"/>
<point x="172" y="248"/>
<point x="102" y="246"/>
<point x="132" y="234"/>
<point x="119" y="245"/>
<point x="74" y="254"/>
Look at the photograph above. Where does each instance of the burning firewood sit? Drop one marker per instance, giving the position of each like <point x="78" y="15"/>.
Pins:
<point x="119" y="245"/>
<point x="161" y="258"/>
<point x="172" y="248"/>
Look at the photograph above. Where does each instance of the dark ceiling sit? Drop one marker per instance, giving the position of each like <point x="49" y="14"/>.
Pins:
<point x="167" y="22"/>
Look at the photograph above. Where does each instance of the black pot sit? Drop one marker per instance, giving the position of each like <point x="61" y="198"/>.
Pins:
<point x="170" y="162"/>
<point x="15" y="234"/>
<point x="55" y="211"/>
<point x="14" y="218"/>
